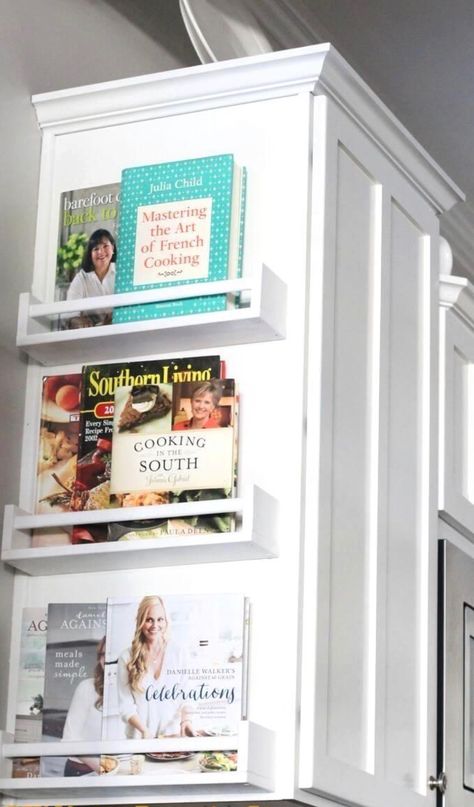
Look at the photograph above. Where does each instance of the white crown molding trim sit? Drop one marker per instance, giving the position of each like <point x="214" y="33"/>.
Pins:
<point x="274" y="74"/>
<point x="316" y="68"/>
<point x="341" y="81"/>
<point x="457" y="294"/>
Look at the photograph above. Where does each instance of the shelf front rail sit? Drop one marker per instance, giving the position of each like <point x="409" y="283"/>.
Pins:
<point x="260" y="316"/>
<point x="255" y="537"/>
<point x="255" y="746"/>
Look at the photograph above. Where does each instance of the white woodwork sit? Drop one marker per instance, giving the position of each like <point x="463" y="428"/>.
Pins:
<point x="263" y="319"/>
<point x="336" y="362"/>
<point x="270" y="426"/>
<point x="368" y="697"/>
<point x="445" y="257"/>
<point x="254" y="770"/>
<point x="456" y="466"/>
<point x="73" y="748"/>
<point x="256" y="537"/>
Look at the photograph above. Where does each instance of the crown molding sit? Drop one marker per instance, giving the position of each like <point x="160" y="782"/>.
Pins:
<point x="457" y="294"/>
<point x="318" y="69"/>
<point x="207" y="86"/>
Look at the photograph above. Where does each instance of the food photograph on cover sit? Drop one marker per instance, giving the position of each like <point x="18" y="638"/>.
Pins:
<point x="175" y="442"/>
<point x="58" y="442"/>
<point x="100" y="383"/>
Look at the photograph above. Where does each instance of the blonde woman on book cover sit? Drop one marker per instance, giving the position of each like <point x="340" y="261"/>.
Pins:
<point x="205" y="399"/>
<point x="95" y="279"/>
<point x="144" y="670"/>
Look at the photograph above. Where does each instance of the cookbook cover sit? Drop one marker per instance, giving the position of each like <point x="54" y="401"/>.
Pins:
<point x="81" y="212"/>
<point x="73" y="690"/>
<point x="181" y="222"/>
<point x="30" y="688"/>
<point x="57" y="442"/>
<point x="186" y="443"/>
<point x="29" y="702"/>
<point x="99" y="385"/>
<point x="174" y="665"/>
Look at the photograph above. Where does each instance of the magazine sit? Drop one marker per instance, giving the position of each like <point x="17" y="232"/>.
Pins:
<point x="99" y="384"/>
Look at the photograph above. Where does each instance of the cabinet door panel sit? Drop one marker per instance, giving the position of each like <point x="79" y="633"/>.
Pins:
<point x="456" y="666"/>
<point x="350" y="471"/>
<point x="406" y="525"/>
<point x="367" y="687"/>
<point x="456" y="466"/>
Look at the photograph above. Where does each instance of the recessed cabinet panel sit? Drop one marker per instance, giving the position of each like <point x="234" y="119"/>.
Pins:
<point x="456" y="462"/>
<point x="351" y="465"/>
<point x="407" y="512"/>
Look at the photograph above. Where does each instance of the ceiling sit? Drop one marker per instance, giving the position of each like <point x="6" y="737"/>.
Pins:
<point x="417" y="55"/>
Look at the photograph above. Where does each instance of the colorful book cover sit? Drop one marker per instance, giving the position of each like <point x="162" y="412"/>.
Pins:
<point x="202" y="524"/>
<point x="181" y="222"/>
<point x="81" y="213"/>
<point x="174" y="666"/>
<point x="99" y="383"/>
<point x="26" y="768"/>
<point x="73" y="688"/>
<point x="29" y="703"/>
<point x="62" y="536"/>
<point x="58" y="442"/>
<point x="173" y="441"/>
<point x="30" y="688"/>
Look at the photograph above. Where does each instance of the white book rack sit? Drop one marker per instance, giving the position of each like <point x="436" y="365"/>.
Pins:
<point x="257" y="519"/>
<point x="263" y="319"/>
<point x="254" y="745"/>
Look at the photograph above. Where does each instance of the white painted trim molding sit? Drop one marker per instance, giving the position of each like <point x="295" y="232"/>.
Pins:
<point x="317" y="68"/>
<point x="457" y="293"/>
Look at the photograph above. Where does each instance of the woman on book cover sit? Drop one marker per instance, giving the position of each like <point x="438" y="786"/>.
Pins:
<point x="95" y="279"/>
<point x="84" y="717"/>
<point x="205" y="399"/>
<point x="151" y="664"/>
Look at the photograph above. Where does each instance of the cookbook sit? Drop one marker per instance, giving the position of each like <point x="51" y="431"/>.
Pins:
<point x="198" y="684"/>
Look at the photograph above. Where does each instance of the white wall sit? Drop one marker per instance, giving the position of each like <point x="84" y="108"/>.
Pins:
<point x="44" y="46"/>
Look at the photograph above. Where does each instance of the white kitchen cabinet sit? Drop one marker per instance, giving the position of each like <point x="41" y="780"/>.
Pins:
<point x="456" y="528"/>
<point x="456" y="479"/>
<point x="336" y="360"/>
